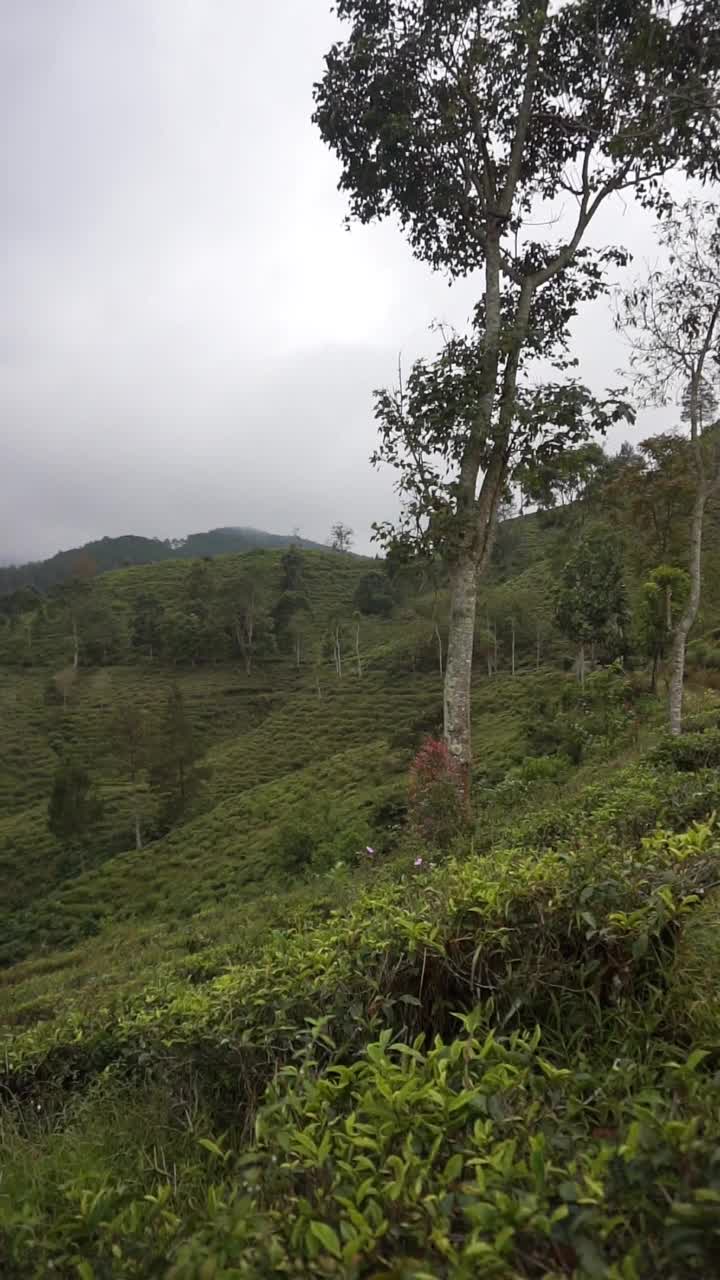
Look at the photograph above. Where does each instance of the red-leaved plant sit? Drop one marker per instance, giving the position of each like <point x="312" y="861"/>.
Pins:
<point x="436" y="794"/>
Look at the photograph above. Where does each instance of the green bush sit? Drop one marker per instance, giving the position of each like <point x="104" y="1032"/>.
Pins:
<point x="689" y="752"/>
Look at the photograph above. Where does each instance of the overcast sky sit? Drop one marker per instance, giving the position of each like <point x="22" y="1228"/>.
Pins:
<point x="189" y="337"/>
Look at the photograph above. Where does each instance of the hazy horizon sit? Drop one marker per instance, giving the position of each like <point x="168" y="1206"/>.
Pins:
<point x="189" y="336"/>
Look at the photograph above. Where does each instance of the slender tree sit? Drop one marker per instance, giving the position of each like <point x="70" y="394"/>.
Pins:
<point x="173" y="760"/>
<point x="672" y="320"/>
<point x="65" y="682"/>
<point x="292" y="564"/>
<point x="147" y="625"/>
<point x="461" y="119"/>
<point x="591" y="603"/>
<point x="356" y="620"/>
<point x="663" y="598"/>
<point x="131" y="734"/>
<point x="251" y="618"/>
<point x="341" y="537"/>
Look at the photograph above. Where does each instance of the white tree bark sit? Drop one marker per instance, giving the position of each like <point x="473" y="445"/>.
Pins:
<point x="682" y="630"/>
<point x="458" y="664"/>
<point x="438" y="637"/>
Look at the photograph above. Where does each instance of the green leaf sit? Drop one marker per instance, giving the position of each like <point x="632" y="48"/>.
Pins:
<point x="212" y="1147"/>
<point x="327" y="1237"/>
<point x="695" y="1058"/>
<point x="453" y="1168"/>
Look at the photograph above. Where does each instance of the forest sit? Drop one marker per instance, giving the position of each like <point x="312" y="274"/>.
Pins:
<point x="361" y="914"/>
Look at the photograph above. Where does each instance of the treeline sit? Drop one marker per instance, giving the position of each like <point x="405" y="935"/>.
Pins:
<point x="248" y="615"/>
<point x="597" y="573"/>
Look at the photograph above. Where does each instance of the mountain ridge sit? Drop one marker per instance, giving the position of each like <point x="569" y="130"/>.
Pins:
<point x="119" y="552"/>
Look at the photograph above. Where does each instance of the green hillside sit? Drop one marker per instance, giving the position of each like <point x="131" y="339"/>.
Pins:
<point x="252" y="1047"/>
<point x="129" y="549"/>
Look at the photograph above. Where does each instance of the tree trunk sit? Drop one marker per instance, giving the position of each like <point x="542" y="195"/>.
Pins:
<point x="680" y="635"/>
<point x="653" y="674"/>
<point x="138" y="832"/>
<point x="581" y="666"/>
<point x="458" y="665"/>
<point x="438" y="637"/>
<point x="512" y="646"/>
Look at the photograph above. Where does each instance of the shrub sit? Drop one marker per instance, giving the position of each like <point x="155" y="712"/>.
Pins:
<point x="690" y="751"/>
<point x="374" y="594"/>
<point x="435" y="806"/>
<point x="294" y="845"/>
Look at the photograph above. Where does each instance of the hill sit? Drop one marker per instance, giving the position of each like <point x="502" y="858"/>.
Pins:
<point x="303" y="1032"/>
<point x="115" y="553"/>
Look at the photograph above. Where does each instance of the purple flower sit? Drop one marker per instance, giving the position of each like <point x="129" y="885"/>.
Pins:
<point x="369" y="850"/>
<point x="418" y="862"/>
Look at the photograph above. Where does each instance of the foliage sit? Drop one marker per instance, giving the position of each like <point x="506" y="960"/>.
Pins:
<point x="292" y="569"/>
<point x="573" y="476"/>
<point x="147" y="626"/>
<point x="591" y="600"/>
<point x="435" y="797"/>
<point x="428" y="1088"/>
<point x="373" y="594"/>
<point x="650" y="491"/>
<point x="341" y="536"/>
<point x="174" y="771"/>
<point x="219" y="1061"/>
<point x="73" y="806"/>
<point x="664" y="596"/>
<point x="595" y="716"/>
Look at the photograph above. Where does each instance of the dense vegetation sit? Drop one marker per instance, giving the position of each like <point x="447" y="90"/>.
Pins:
<point x="292" y="982"/>
<point x="214" y="1038"/>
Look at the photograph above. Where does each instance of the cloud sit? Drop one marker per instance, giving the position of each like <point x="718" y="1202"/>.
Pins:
<point x="189" y="336"/>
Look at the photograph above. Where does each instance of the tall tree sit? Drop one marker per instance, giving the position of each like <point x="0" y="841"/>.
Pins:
<point x="174" y="769"/>
<point x="373" y="594"/>
<point x="250" y="616"/>
<point x="292" y="565"/>
<point x="651" y="490"/>
<point x="64" y="682"/>
<point x="662" y="601"/>
<point x="341" y="536"/>
<point x="461" y="118"/>
<point x="147" y="624"/>
<point x="568" y="479"/>
<point x="591" y="604"/>
<point x="73" y="594"/>
<point x="673" y="321"/>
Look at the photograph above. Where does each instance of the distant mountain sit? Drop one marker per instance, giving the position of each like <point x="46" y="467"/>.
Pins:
<point x="115" y="553"/>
